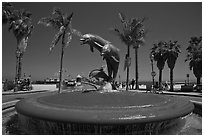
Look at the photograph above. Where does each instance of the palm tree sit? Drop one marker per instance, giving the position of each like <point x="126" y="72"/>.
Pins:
<point x="62" y="23"/>
<point x="172" y="52"/>
<point x="139" y="42"/>
<point x="132" y="35"/>
<point x="20" y="23"/>
<point x="159" y="54"/>
<point x="194" y="56"/>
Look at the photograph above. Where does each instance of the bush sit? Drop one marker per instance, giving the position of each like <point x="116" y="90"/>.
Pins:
<point x="8" y="85"/>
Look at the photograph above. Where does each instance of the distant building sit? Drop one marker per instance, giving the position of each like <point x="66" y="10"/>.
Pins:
<point x="51" y="81"/>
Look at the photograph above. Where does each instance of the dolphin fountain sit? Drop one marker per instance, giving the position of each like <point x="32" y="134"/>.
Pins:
<point x="116" y="113"/>
<point x="109" y="52"/>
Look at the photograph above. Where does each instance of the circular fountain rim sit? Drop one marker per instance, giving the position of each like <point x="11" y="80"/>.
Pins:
<point x="169" y="108"/>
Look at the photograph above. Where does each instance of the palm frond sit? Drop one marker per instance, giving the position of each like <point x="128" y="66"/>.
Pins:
<point x="20" y="24"/>
<point x="189" y="57"/>
<point x="133" y="32"/>
<point x="122" y="17"/>
<point x="191" y="64"/>
<point x="29" y="32"/>
<point x="76" y="32"/>
<point x="11" y="25"/>
<point x="62" y="23"/>
<point x="172" y="49"/>
<point x="123" y="20"/>
<point x="57" y="11"/>
<point x="137" y="27"/>
<point x="159" y="51"/>
<point x="194" y="54"/>
<point x="57" y="38"/>
<point x="68" y="19"/>
<point x="6" y="6"/>
<point x="22" y="16"/>
<point x="55" y="20"/>
<point x="194" y="50"/>
<point x="25" y="14"/>
<point x="141" y="41"/>
<point x="49" y="21"/>
<point x="58" y="15"/>
<point x="6" y="12"/>
<point x="14" y="16"/>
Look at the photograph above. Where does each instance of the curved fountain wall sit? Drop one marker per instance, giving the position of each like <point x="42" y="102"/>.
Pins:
<point x="102" y="113"/>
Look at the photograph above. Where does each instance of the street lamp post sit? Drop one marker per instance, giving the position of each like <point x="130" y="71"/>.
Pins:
<point x="187" y="78"/>
<point x="153" y="73"/>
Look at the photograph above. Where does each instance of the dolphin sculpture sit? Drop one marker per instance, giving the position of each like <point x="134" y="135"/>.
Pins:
<point x="99" y="73"/>
<point x="109" y="52"/>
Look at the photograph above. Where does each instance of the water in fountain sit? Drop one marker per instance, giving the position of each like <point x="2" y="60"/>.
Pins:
<point x="43" y="127"/>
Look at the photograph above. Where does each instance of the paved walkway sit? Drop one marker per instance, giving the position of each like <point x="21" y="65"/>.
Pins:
<point x="171" y="93"/>
<point x="24" y="92"/>
<point x="184" y="93"/>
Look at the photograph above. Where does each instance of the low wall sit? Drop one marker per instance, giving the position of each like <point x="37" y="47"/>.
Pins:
<point x="44" y="87"/>
<point x="197" y="107"/>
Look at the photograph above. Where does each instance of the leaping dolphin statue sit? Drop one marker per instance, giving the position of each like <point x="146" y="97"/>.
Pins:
<point x="99" y="73"/>
<point x="109" y="52"/>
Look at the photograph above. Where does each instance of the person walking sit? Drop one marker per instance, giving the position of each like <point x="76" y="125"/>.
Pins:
<point x="133" y="83"/>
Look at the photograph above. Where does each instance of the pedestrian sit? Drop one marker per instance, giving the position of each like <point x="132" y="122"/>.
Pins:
<point x="133" y="83"/>
<point x="156" y="86"/>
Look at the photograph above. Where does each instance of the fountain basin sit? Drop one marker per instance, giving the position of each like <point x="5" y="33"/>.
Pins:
<point x="103" y="111"/>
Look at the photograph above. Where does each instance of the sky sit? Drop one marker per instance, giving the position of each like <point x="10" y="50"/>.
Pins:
<point x="165" y="21"/>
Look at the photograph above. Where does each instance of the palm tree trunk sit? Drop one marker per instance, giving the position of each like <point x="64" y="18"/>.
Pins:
<point x="128" y="55"/>
<point x="19" y="56"/>
<point x="61" y="61"/>
<point x="136" y="68"/>
<point x="20" y="65"/>
<point x="171" y="80"/>
<point x="198" y="84"/>
<point x="160" y="79"/>
<point x="198" y="80"/>
<point x="17" y="67"/>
